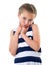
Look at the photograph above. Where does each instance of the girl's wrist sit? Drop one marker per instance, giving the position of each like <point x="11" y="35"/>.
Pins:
<point x="22" y="34"/>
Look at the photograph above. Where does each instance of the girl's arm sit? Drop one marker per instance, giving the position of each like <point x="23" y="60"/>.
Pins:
<point x="35" y="43"/>
<point x="14" y="41"/>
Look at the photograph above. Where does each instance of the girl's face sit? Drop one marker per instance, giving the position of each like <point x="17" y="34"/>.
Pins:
<point x="26" y="18"/>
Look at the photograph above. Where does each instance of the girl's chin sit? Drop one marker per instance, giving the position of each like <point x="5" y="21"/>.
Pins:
<point x="25" y="26"/>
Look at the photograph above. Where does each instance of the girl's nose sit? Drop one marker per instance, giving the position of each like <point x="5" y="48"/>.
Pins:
<point x="26" y="22"/>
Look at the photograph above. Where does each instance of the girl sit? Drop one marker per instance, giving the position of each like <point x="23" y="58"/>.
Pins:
<point x="25" y="40"/>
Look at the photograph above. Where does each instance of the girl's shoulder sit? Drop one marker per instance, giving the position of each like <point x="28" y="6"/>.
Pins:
<point x="34" y="26"/>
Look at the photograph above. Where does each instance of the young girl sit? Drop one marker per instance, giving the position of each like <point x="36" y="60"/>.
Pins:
<point x="25" y="40"/>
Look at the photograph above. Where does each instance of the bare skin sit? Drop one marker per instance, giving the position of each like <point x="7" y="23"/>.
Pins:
<point x="14" y="41"/>
<point x="35" y="43"/>
<point x="26" y="19"/>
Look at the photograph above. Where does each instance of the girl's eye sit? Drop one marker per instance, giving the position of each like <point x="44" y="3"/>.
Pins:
<point x="24" y="18"/>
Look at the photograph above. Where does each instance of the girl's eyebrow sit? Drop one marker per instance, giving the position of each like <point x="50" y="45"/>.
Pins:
<point x="30" y="19"/>
<point x="24" y="17"/>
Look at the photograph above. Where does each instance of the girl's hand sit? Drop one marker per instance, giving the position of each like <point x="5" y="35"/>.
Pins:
<point x="19" y="29"/>
<point x="24" y="30"/>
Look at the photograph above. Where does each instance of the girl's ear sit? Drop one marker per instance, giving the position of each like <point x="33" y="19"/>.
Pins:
<point x="18" y="14"/>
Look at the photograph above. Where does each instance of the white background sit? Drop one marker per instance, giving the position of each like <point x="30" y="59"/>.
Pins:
<point x="9" y="20"/>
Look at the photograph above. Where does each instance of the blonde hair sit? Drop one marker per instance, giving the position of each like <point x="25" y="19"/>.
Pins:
<point x="28" y="7"/>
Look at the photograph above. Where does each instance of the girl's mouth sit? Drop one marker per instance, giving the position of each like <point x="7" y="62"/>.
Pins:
<point x="25" y="26"/>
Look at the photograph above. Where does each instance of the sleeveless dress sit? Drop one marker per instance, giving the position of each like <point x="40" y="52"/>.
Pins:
<point x="25" y="55"/>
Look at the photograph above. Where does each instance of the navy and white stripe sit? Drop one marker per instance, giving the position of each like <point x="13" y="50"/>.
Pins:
<point x="29" y="63"/>
<point x="27" y="59"/>
<point x="27" y="48"/>
<point x="25" y="54"/>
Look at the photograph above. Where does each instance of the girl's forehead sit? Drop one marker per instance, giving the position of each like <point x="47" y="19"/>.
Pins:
<point x="27" y="14"/>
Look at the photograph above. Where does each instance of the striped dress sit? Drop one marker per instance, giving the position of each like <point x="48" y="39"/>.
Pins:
<point x="25" y="55"/>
